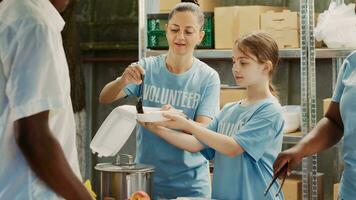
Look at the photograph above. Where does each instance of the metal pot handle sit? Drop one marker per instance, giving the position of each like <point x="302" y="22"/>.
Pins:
<point x="128" y="156"/>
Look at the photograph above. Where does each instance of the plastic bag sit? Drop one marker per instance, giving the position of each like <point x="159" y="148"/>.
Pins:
<point x="337" y="26"/>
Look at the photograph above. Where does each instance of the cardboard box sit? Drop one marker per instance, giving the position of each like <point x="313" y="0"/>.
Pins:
<point x="295" y="134"/>
<point x="233" y="22"/>
<point x="285" y="38"/>
<point x="292" y="187"/>
<point x="231" y="95"/>
<point x="319" y="44"/>
<point x="285" y="20"/>
<point x="326" y="103"/>
<point x="282" y="20"/>
<point x="165" y="6"/>
<point x="224" y="25"/>
<point x="336" y="191"/>
<point x="208" y="6"/>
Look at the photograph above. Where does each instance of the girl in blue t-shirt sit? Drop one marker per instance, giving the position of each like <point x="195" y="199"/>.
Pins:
<point x="181" y="80"/>
<point x="246" y="137"/>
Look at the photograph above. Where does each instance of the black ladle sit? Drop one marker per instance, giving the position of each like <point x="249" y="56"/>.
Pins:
<point x="139" y="107"/>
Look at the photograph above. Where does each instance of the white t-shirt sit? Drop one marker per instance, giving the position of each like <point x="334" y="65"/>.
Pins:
<point x="34" y="77"/>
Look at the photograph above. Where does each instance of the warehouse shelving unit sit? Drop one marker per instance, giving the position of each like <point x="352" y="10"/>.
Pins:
<point x="307" y="53"/>
<point x="283" y="53"/>
<point x="308" y="93"/>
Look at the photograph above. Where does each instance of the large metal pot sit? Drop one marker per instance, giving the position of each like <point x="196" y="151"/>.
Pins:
<point x="119" y="180"/>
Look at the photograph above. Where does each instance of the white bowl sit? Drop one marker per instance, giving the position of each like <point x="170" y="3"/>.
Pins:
<point x="291" y="116"/>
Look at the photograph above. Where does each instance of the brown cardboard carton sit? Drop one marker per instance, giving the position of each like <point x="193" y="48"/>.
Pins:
<point x="285" y="38"/>
<point x="285" y="20"/>
<point x="336" y="191"/>
<point x="292" y="187"/>
<point x="326" y="103"/>
<point x="231" y="95"/>
<point x="233" y="22"/>
<point x="224" y="25"/>
<point x="166" y="6"/>
<point x="319" y="44"/>
<point x="295" y="134"/>
<point x="206" y="5"/>
<point x="282" y="20"/>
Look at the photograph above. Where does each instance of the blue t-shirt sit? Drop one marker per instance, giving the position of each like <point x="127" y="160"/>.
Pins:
<point x="345" y="94"/>
<point x="196" y="92"/>
<point x="258" y="130"/>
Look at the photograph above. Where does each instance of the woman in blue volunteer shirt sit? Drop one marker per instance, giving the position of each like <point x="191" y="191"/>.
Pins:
<point x="339" y="121"/>
<point x="186" y="83"/>
<point x="246" y="137"/>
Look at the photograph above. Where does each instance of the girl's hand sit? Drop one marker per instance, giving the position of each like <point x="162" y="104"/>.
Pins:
<point x="132" y="74"/>
<point x="152" y="127"/>
<point x="175" y="121"/>
<point x="171" y="109"/>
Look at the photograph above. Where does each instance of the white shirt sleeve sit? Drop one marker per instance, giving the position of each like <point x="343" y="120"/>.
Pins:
<point x="34" y="79"/>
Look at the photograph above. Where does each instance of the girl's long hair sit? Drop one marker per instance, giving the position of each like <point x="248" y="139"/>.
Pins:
<point x="264" y="47"/>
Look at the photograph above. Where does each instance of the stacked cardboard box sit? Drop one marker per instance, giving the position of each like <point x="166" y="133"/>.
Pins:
<point x="207" y="6"/>
<point x="166" y="5"/>
<point x="326" y="103"/>
<point x="233" y="22"/>
<point x="231" y="95"/>
<point x="283" y="26"/>
<point x="336" y="191"/>
<point x="292" y="187"/>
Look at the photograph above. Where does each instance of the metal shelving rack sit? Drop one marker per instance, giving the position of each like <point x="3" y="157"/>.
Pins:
<point x="307" y="55"/>
<point x="283" y="53"/>
<point x="308" y="93"/>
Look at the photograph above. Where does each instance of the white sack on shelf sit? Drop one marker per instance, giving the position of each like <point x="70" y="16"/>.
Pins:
<point x="337" y="26"/>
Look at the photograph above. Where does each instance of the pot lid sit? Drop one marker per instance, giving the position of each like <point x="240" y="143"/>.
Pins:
<point x="120" y="166"/>
<point x="110" y="167"/>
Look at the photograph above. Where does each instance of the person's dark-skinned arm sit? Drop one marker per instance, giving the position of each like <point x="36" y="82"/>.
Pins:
<point x="326" y="133"/>
<point x="46" y="158"/>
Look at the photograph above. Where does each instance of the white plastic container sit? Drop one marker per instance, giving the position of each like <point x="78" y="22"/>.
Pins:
<point x="151" y="115"/>
<point x="114" y="131"/>
<point x="118" y="126"/>
<point x="291" y="116"/>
